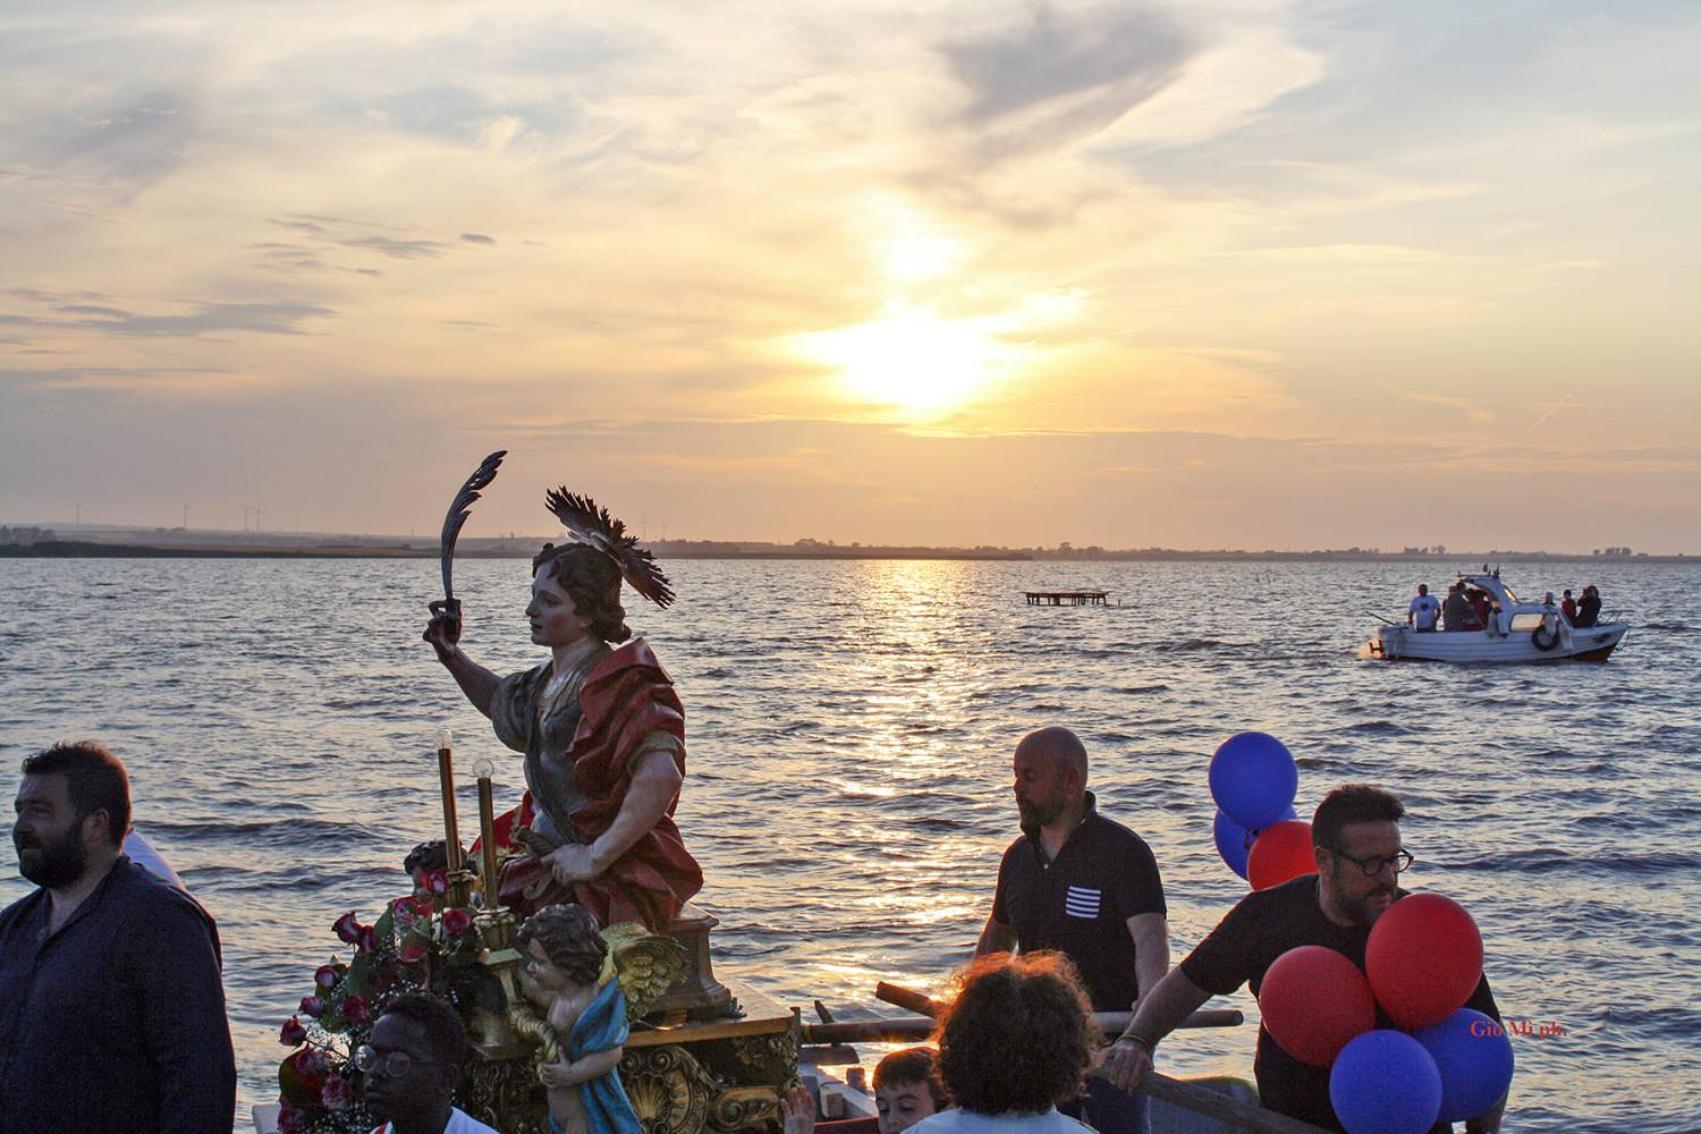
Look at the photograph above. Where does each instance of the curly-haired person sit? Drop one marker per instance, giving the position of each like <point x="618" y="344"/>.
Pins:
<point x="1015" y="1042"/>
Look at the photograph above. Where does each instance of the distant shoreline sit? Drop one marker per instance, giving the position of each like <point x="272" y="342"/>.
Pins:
<point x="83" y="549"/>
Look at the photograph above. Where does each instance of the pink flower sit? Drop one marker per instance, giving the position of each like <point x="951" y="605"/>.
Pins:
<point x="292" y="1033"/>
<point x="337" y="1094"/>
<point x="292" y="1120"/>
<point x="436" y="882"/>
<point x="326" y="976"/>
<point x="347" y="928"/>
<point x="354" y="1010"/>
<point x="312" y="1006"/>
<point x="456" y="921"/>
<point x="311" y="1061"/>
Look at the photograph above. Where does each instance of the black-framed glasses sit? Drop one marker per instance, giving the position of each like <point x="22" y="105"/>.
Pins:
<point x="395" y="1064"/>
<point x="1400" y="860"/>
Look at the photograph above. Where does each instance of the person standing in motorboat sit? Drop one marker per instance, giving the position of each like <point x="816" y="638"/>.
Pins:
<point x="1589" y="609"/>
<point x="1457" y="609"/>
<point x="1421" y="615"/>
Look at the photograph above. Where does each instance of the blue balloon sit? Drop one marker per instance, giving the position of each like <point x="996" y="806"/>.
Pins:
<point x="1384" y="1082"/>
<point x="1234" y="842"/>
<point x="1474" y="1055"/>
<point x="1253" y="779"/>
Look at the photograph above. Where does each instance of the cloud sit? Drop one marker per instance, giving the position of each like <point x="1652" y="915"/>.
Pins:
<point x="396" y="249"/>
<point x="1062" y="74"/>
<point x="477" y="238"/>
<point x="205" y="319"/>
<point x="128" y="379"/>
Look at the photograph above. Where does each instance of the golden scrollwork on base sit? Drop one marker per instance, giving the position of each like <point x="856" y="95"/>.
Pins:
<point x="770" y="1059"/>
<point x="669" y="1089"/>
<point x="744" y="1108"/>
<point x="504" y="1094"/>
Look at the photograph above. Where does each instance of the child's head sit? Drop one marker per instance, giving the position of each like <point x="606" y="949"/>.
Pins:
<point x="907" y="1088"/>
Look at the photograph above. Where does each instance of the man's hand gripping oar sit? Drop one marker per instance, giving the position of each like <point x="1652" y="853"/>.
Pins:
<point x="444" y="630"/>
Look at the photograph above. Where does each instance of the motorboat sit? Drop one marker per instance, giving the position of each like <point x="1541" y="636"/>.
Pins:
<point x="1516" y="630"/>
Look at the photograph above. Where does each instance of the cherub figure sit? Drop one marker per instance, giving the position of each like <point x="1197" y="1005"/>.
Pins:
<point x="584" y="1011"/>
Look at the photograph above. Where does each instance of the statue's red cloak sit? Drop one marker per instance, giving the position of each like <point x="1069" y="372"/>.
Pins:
<point x="626" y="697"/>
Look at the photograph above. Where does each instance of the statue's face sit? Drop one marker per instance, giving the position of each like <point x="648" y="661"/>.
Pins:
<point x="555" y="620"/>
<point x="540" y="973"/>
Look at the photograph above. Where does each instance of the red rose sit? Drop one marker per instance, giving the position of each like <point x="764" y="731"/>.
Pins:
<point x="292" y="1033"/>
<point x="436" y="882"/>
<point x="347" y="928"/>
<point x="367" y="938"/>
<point x="292" y="1120"/>
<point x="456" y="921"/>
<point x="354" y="1010"/>
<point x="312" y="1006"/>
<point x="326" y="976"/>
<point x="337" y="1094"/>
<point x="406" y="911"/>
<point x="413" y="950"/>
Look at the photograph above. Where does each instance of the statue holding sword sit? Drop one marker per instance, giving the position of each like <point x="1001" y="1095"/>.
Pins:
<point x="600" y="726"/>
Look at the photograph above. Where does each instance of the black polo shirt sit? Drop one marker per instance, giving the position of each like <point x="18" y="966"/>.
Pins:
<point x="116" y="1021"/>
<point x="1080" y="904"/>
<point x="1261" y="927"/>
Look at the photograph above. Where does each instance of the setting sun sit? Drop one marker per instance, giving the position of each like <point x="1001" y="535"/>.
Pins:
<point x="912" y="359"/>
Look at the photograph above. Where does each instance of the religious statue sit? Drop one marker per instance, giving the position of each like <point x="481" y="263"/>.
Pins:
<point x="581" y="1026"/>
<point x="602" y="730"/>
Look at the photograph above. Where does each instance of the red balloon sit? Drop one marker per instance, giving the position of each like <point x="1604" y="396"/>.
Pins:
<point x="1315" y="1002"/>
<point x="1282" y="852"/>
<point x="1424" y="958"/>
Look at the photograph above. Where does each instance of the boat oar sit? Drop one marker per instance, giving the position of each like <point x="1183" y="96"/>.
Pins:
<point x="1109" y="1023"/>
<point x="916" y="1029"/>
<point x="908" y="999"/>
<point x="1201" y="1100"/>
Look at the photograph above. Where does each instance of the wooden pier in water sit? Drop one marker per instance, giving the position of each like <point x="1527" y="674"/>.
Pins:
<point x="1066" y="598"/>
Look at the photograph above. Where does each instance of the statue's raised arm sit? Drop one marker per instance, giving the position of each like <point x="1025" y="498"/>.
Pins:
<point x="601" y="729"/>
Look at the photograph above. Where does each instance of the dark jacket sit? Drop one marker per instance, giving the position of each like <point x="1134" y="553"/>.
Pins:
<point x="116" y="1022"/>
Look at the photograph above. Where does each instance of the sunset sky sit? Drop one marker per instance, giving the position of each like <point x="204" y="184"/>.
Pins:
<point x="1223" y="273"/>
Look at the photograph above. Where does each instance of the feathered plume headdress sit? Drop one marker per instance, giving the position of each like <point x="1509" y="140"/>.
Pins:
<point x="594" y="527"/>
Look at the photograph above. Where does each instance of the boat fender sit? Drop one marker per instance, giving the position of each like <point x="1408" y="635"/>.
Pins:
<point x="1547" y="643"/>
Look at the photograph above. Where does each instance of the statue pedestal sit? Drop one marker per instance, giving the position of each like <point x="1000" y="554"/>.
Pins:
<point x="696" y="995"/>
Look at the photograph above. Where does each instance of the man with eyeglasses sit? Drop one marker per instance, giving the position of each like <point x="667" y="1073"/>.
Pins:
<point x="409" y="1066"/>
<point x="1355" y="836"/>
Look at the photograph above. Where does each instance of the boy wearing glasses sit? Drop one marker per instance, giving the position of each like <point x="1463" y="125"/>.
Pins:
<point x="410" y="1064"/>
<point x="1355" y="836"/>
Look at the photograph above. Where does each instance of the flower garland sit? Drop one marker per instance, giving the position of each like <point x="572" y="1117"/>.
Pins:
<point x="420" y="943"/>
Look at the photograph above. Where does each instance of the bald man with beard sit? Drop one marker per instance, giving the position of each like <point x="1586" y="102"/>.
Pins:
<point x="1087" y="887"/>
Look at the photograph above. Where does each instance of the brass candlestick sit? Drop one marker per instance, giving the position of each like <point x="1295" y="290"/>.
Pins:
<point x="484" y="768"/>
<point x="460" y="880"/>
<point x="446" y="779"/>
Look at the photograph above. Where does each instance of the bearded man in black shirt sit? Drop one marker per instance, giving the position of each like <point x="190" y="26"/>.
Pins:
<point x="1355" y="836"/>
<point x="1087" y="887"/>
<point x="111" y="1005"/>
